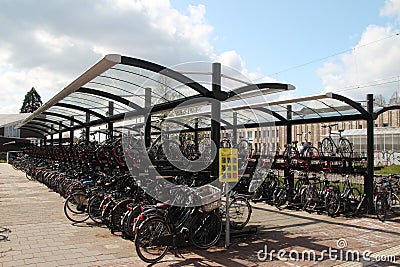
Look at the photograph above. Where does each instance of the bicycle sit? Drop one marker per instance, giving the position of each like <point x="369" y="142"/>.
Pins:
<point x="263" y="185"/>
<point x="284" y="196"/>
<point x="329" y="148"/>
<point x="301" y="157"/>
<point x="315" y="194"/>
<point x="239" y="209"/>
<point x="347" y="201"/>
<point x="158" y="233"/>
<point x="386" y="199"/>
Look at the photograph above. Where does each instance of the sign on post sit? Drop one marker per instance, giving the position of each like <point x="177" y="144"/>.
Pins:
<point x="228" y="165"/>
<point x="228" y="172"/>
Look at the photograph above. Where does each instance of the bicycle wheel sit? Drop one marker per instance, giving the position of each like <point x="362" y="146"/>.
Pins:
<point x="345" y="148"/>
<point x="327" y="147"/>
<point x="332" y="203"/>
<point x="381" y="207"/>
<point x="239" y="213"/>
<point x="395" y="204"/>
<point x="281" y="199"/>
<point x="75" y="207"/>
<point x="117" y="213"/>
<point x="149" y="239"/>
<point x="95" y="209"/>
<point x="107" y="207"/>
<point x="129" y="223"/>
<point x="205" y="229"/>
<point x="354" y="198"/>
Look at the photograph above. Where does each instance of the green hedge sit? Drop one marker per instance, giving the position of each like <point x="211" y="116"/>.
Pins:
<point x="3" y="157"/>
<point x="394" y="169"/>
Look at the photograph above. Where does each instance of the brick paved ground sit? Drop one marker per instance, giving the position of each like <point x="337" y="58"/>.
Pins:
<point x="42" y="236"/>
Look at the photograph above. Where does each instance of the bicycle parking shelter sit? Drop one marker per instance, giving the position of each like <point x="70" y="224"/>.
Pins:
<point x="118" y="85"/>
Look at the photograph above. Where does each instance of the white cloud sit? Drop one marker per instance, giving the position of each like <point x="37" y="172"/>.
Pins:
<point x="234" y="60"/>
<point x="50" y="43"/>
<point x="371" y="66"/>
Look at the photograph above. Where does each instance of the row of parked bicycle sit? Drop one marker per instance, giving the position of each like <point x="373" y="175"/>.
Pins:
<point x="98" y="182"/>
<point x="115" y="199"/>
<point x="314" y="192"/>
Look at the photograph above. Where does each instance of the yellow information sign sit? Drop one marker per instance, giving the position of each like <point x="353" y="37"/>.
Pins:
<point x="228" y="165"/>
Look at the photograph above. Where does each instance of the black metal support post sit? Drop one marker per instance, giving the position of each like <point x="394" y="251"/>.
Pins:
<point x="51" y="137"/>
<point x="147" y="127"/>
<point x="71" y="132"/>
<point x="216" y="118"/>
<point x="87" y="129"/>
<point x="234" y="130"/>
<point x="60" y="134"/>
<point x="289" y="137"/>
<point x="369" y="176"/>
<point x="110" y="113"/>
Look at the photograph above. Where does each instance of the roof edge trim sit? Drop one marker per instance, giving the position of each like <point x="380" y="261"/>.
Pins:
<point x="104" y="64"/>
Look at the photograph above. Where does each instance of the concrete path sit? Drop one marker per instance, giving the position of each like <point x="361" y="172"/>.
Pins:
<point x="42" y="236"/>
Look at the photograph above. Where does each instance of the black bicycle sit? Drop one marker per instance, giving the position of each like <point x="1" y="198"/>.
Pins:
<point x="171" y="226"/>
<point x="329" y="148"/>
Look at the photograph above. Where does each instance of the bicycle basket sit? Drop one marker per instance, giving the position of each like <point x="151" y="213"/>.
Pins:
<point x="208" y="194"/>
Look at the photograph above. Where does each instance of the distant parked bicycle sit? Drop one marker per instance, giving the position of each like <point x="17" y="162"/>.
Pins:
<point x="301" y="156"/>
<point x="386" y="197"/>
<point x="329" y="148"/>
<point x="347" y="201"/>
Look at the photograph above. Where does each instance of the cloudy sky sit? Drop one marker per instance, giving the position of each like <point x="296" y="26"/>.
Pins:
<point x="349" y="47"/>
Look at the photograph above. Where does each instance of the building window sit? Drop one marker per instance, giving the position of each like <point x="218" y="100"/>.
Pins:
<point x="249" y="134"/>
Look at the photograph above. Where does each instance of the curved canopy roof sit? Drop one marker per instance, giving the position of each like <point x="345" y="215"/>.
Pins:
<point x="118" y="85"/>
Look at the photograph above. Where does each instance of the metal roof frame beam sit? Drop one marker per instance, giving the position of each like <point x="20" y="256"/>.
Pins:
<point x="51" y="121"/>
<point x="64" y="117"/>
<point x="110" y="96"/>
<point x="86" y="110"/>
<point x="385" y="109"/>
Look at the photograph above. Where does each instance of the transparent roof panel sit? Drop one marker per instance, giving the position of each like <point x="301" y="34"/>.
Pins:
<point x="126" y="82"/>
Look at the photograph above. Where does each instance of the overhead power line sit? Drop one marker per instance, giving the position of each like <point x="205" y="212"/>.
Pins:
<point x="333" y="55"/>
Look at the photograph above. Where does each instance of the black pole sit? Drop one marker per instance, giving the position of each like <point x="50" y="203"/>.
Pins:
<point x="147" y="127"/>
<point x="234" y="130"/>
<point x="71" y="132"/>
<point x="289" y="138"/>
<point x="369" y="176"/>
<point x="51" y="137"/>
<point x="59" y="134"/>
<point x="110" y="113"/>
<point x="87" y="128"/>
<point x="216" y="118"/>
